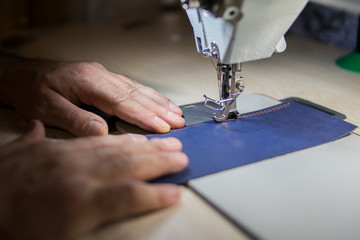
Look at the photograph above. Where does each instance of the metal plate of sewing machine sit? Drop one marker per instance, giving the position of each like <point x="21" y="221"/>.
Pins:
<point x="197" y="112"/>
<point x="248" y="102"/>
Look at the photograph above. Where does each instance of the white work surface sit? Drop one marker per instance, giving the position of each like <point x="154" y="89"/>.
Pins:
<point x="309" y="194"/>
<point x="162" y="55"/>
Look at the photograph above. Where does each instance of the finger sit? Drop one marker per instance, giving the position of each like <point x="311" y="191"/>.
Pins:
<point x="105" y="146"/>
<point x="63" y="114"/>
<point x="122" y="99"/>
<point x="34" y="134"/>
<point x="118" y="102"/>
<point x="135" y="113"/>
<point x="110" y="148"/>
<point x="160" y="99"/>
<point x="153" y="101"/>
<point x="151" y="93"/>
<point x="141" y="166"/>
<point x="102" y="149"/>
<point x="173" y="119"/>
<point x="123" y="199"/>
<point x="153" y="146"/>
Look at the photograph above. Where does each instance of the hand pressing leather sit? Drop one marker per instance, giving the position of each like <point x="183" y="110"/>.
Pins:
<point x="63" y="190"/>
<point x="52" y="91"/>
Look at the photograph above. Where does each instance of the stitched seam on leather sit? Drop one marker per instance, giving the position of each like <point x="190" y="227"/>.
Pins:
<point x="239" y="117"/>
<point x="263" y="112"/>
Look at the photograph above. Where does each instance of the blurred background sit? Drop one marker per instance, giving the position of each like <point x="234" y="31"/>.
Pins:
<point x="319" y="22"/>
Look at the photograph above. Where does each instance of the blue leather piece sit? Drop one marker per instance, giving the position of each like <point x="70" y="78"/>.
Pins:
<point x="287" y="127"/>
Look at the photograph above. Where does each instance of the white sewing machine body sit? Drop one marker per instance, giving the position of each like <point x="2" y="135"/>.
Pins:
<point x="235" y="31"/>
<point x="255" y="34"/>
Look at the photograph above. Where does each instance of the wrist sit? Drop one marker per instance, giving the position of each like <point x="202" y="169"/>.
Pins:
<point x="9" y="65"/>
<point x="15" y="72"/>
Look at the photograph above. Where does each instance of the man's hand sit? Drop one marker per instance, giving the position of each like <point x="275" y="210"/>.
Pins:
<point x="52" y="91"/>
<point x="61" y="190"/>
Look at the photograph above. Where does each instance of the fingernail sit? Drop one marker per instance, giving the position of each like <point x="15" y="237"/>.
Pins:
<point x="94" y="128"/>
<point x="163" y="126"/>
<point x="137" y="138"/>
<point x="172" y="143"/>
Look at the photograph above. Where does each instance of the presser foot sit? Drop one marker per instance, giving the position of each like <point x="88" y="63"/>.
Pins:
<point x="226" y="107"/>
<point x="231" y="115"/>
<point x="230" y="112"/>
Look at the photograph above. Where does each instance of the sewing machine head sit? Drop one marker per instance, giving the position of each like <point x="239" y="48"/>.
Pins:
<point x="235" y="31"/>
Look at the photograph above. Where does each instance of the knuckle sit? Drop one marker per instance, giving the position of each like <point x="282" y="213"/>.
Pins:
<point x="73" y="115"/>
<point x="119" y="98"/>
<point x="84" y="68"/>
<point x="165" y="158"/>
<point x="133" y="91"/>
<point x="97" y="65"/>
<point x="40" y="101"/>
<point x="43" y="78"/>
<point x="125" y="92"/>
<point x="158" y="144"/>
<point x="41" y="107"/>
<point x="134" y="83"/>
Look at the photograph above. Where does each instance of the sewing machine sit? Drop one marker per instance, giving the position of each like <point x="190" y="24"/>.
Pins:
<point x="232" y="32"/>
<point x="294" y="196"/>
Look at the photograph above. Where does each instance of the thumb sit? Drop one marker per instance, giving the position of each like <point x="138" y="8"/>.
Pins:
<point x="34" y="134"/>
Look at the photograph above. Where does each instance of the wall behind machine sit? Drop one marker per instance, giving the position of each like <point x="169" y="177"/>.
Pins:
<point x="29" y="13"/>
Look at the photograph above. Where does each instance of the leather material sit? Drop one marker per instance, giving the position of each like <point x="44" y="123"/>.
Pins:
<point x="213" y="147"/>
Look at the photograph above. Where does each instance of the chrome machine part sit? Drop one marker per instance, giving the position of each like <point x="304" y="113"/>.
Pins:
<point x="230" y="82"/>
<point x="231" y="85"/>
<point x="226" y="9"/>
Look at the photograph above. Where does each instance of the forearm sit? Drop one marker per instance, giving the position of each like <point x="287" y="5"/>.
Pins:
<point x="8" y="65"/>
